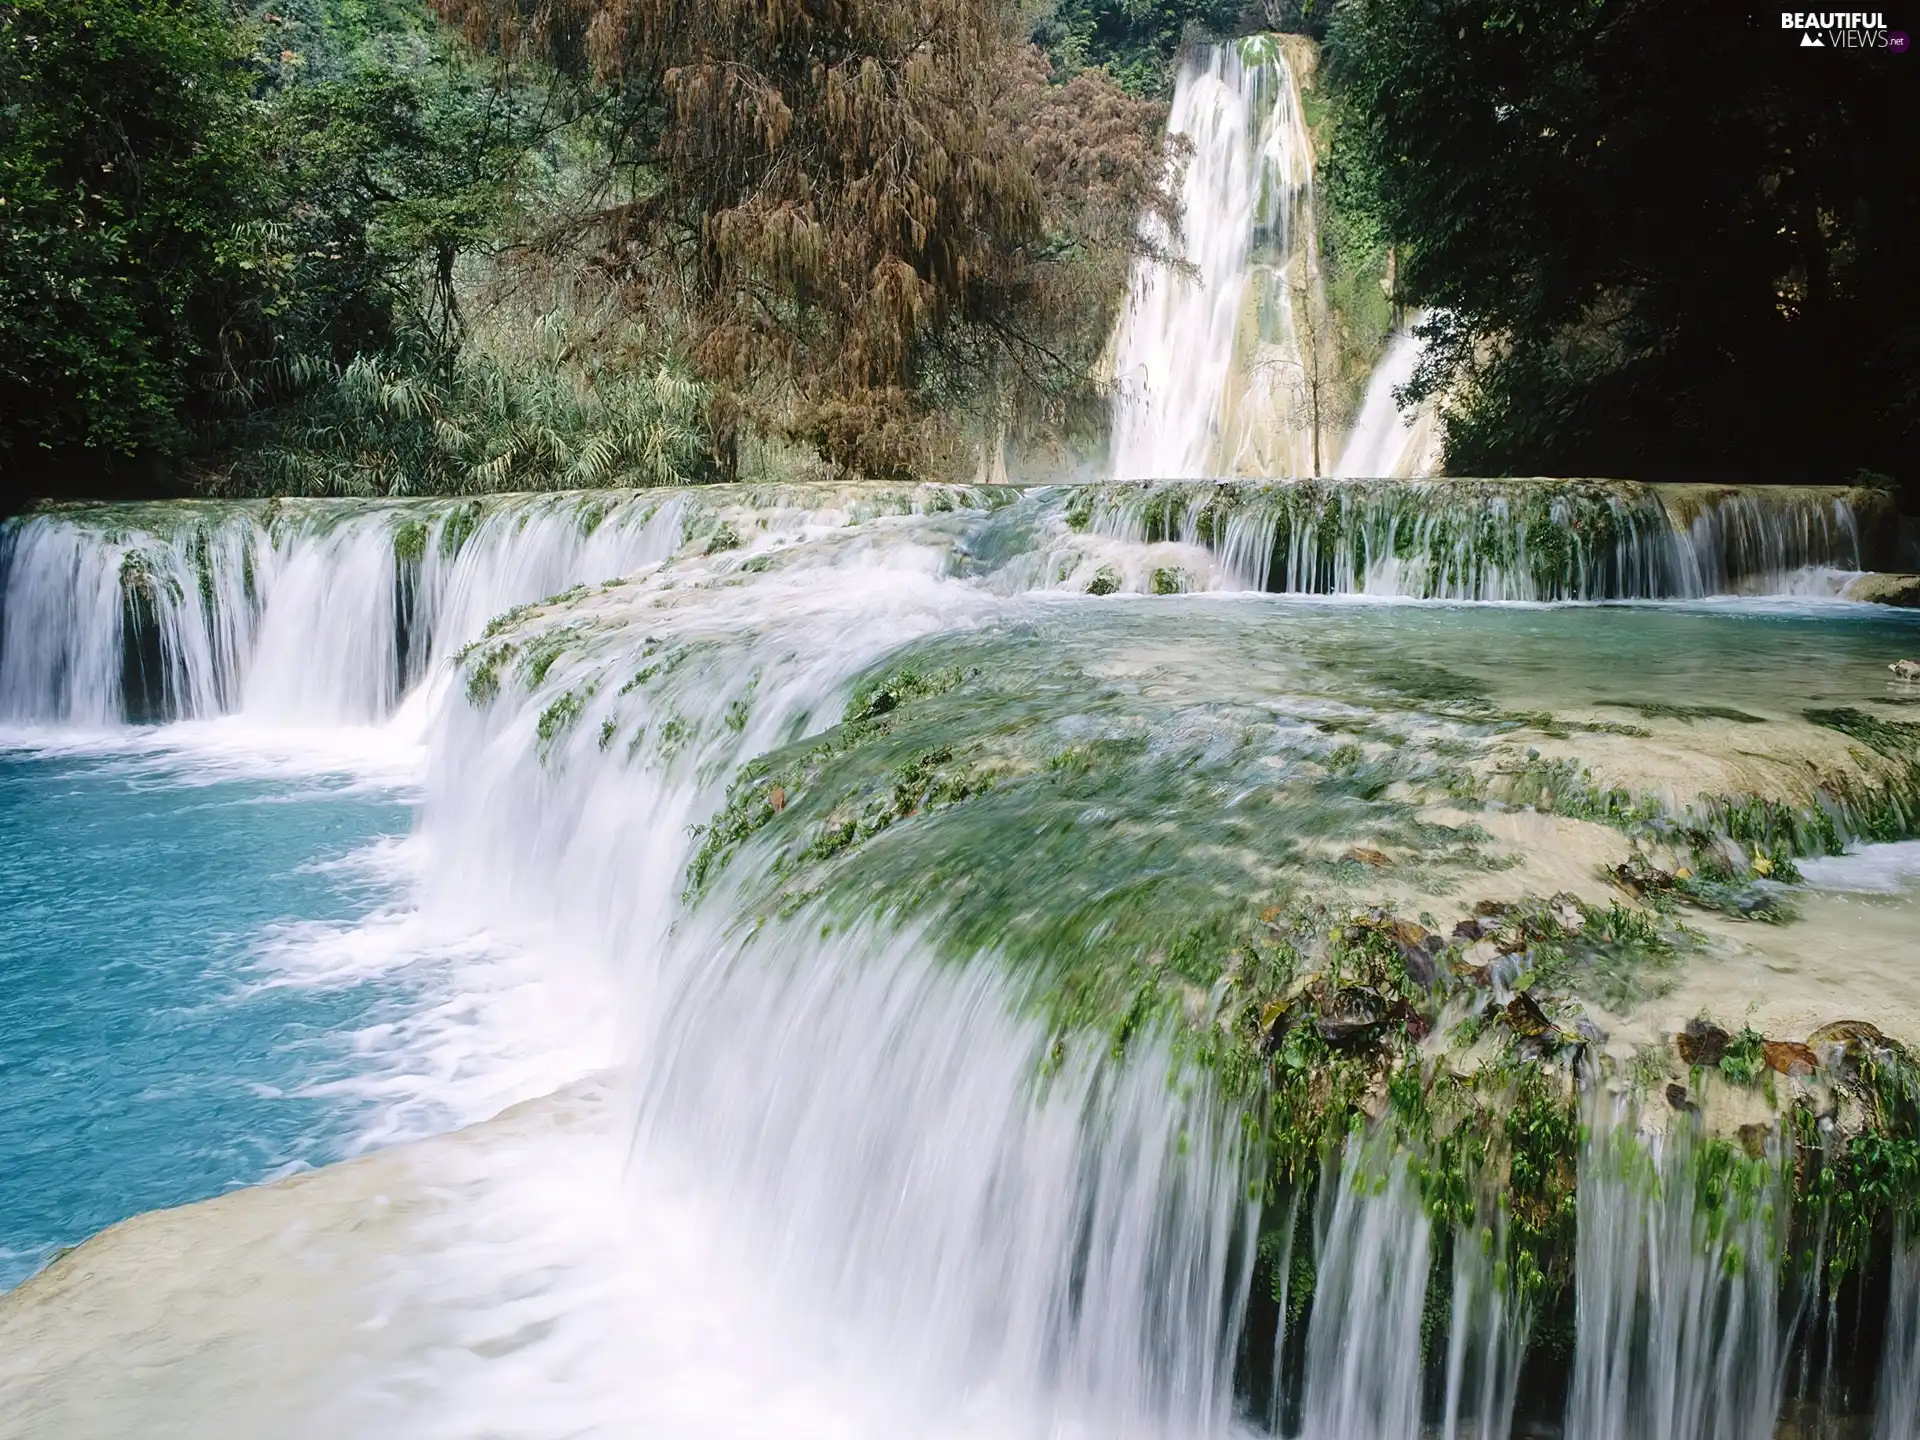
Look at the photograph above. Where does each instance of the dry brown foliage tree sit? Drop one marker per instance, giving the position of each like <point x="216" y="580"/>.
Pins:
<point x="902" y="235"/>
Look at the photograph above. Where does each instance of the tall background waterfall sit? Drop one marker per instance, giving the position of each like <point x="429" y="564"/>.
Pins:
<point x="1225" y="357"/>
<point x="1209" y="363"/>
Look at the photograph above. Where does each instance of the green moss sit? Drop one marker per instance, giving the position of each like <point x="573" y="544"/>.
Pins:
<point x="1898" y="739"/>
<point x="1694" y="712"/>
<point x="483" y="664"/>
<point x="1774" y="831"/>
<point x="506" y="620"/>
<point x="1552" y="725"/>
<point x="410" y="541"/>
<point x="888" y="692"/>
<point x="1106" y="581"/>
<point x="1743" y="1062"/>
<point x="1170" y="581"/>
<point x="543" y="652"/>
<point x="1618" y="955"/>
<point x="559" y="716"/>
<point x="724" y="537"/>
<point x="458" y="527"/>
<point x="591" y="513"/>
<point x="1079" y="512"/>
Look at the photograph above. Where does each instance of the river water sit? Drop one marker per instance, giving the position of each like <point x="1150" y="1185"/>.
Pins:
<point x="726" y="1151"/>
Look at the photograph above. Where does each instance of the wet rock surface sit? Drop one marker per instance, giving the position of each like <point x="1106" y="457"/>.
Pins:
<point x="1881" y="588"/>
<point x="1702" y="1043"/>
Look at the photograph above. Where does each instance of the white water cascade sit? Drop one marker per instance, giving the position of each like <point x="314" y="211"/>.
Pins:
<point x="850" y="1187"/>
<point x="942" y="1243"/>
<point x="304" y="614"/>
<point x="1363" y="1345"/>
<point x="1526" y="540"/>
<point x="1679" y="1309"/>
<point x="1209" y="370"/>
<point x="1386" y="442"/>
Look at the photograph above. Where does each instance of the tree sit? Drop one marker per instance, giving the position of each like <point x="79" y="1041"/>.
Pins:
<point x="207" y="217"/>
<point x="883" y="206"/>
<point x="1654" y="239"/>
<point x="1136" y="41"/>
<point x="123" y="178"/>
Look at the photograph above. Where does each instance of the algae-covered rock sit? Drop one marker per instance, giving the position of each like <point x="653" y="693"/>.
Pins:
<point x="143" y="676"/>
<point x="1353" y="1016"/>
<point x="1702" y="1043"/>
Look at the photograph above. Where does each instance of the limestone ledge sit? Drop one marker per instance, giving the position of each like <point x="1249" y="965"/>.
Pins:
<point x="1885" y="588"/>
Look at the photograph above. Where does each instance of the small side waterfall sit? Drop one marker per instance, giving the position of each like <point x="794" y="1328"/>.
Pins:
<point x="1210" y="368"/>
<point x="1385" y="442"/>
<point x="291" y="612"/>
<point x="319" y="613"/>
<point x="1897" y="1404"/>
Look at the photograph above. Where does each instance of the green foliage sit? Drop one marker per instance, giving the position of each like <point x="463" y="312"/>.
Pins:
<point x="1133" y="40"/>
<point x="410" y="542"/>
<point x="559" y="716"/>
<point x="483" y="666"/>
<point x="241" y="236"/>
<point x="552" y="407"/>
<point x="1524" y="156"/>
<point x="1743" y="1062"/>
<point x="127" y="158"/>
<point x="1898" y="739"/>
<point x="871" y="713"/>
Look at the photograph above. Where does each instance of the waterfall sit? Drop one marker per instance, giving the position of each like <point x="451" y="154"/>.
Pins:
<point x="305" y="613"/>
<point x="1363" y="1344"/>
<point x="1897" y="1403"/>
<point x="1209" y="368"/>
<point x="1525" y="540"/>
<point x="320" y="613"/>
<point x="1020" y="1231"/>
<point x="1050" y="1247"/>
<point x="1385" y="442"/>
<point x="1678" y="1306"/>
<point x="289" y="612"/>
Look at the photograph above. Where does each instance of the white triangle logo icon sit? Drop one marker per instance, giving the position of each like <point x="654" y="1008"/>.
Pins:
<point x="1809" y="42"/>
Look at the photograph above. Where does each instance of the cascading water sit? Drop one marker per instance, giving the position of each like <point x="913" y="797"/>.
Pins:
<point x="1386" y="442"/>
<point x="1523" y="540"/>
<point x="1363" y="1348"/>
<point x="305" y="614"/>
<point x="1680" y="1309"/>
<point x="1203" y="385"/>
<point x="298" y="614"/>
<point x="915" y="1201"/>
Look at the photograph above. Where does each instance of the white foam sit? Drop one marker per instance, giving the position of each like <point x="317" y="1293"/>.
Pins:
<point x="1889" y="869"/>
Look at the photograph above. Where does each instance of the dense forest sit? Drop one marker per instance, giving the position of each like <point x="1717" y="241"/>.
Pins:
<point x="391" y="246"/>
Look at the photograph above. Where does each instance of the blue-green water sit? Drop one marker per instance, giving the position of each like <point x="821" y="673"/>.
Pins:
<point x="159" y="1041"/>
